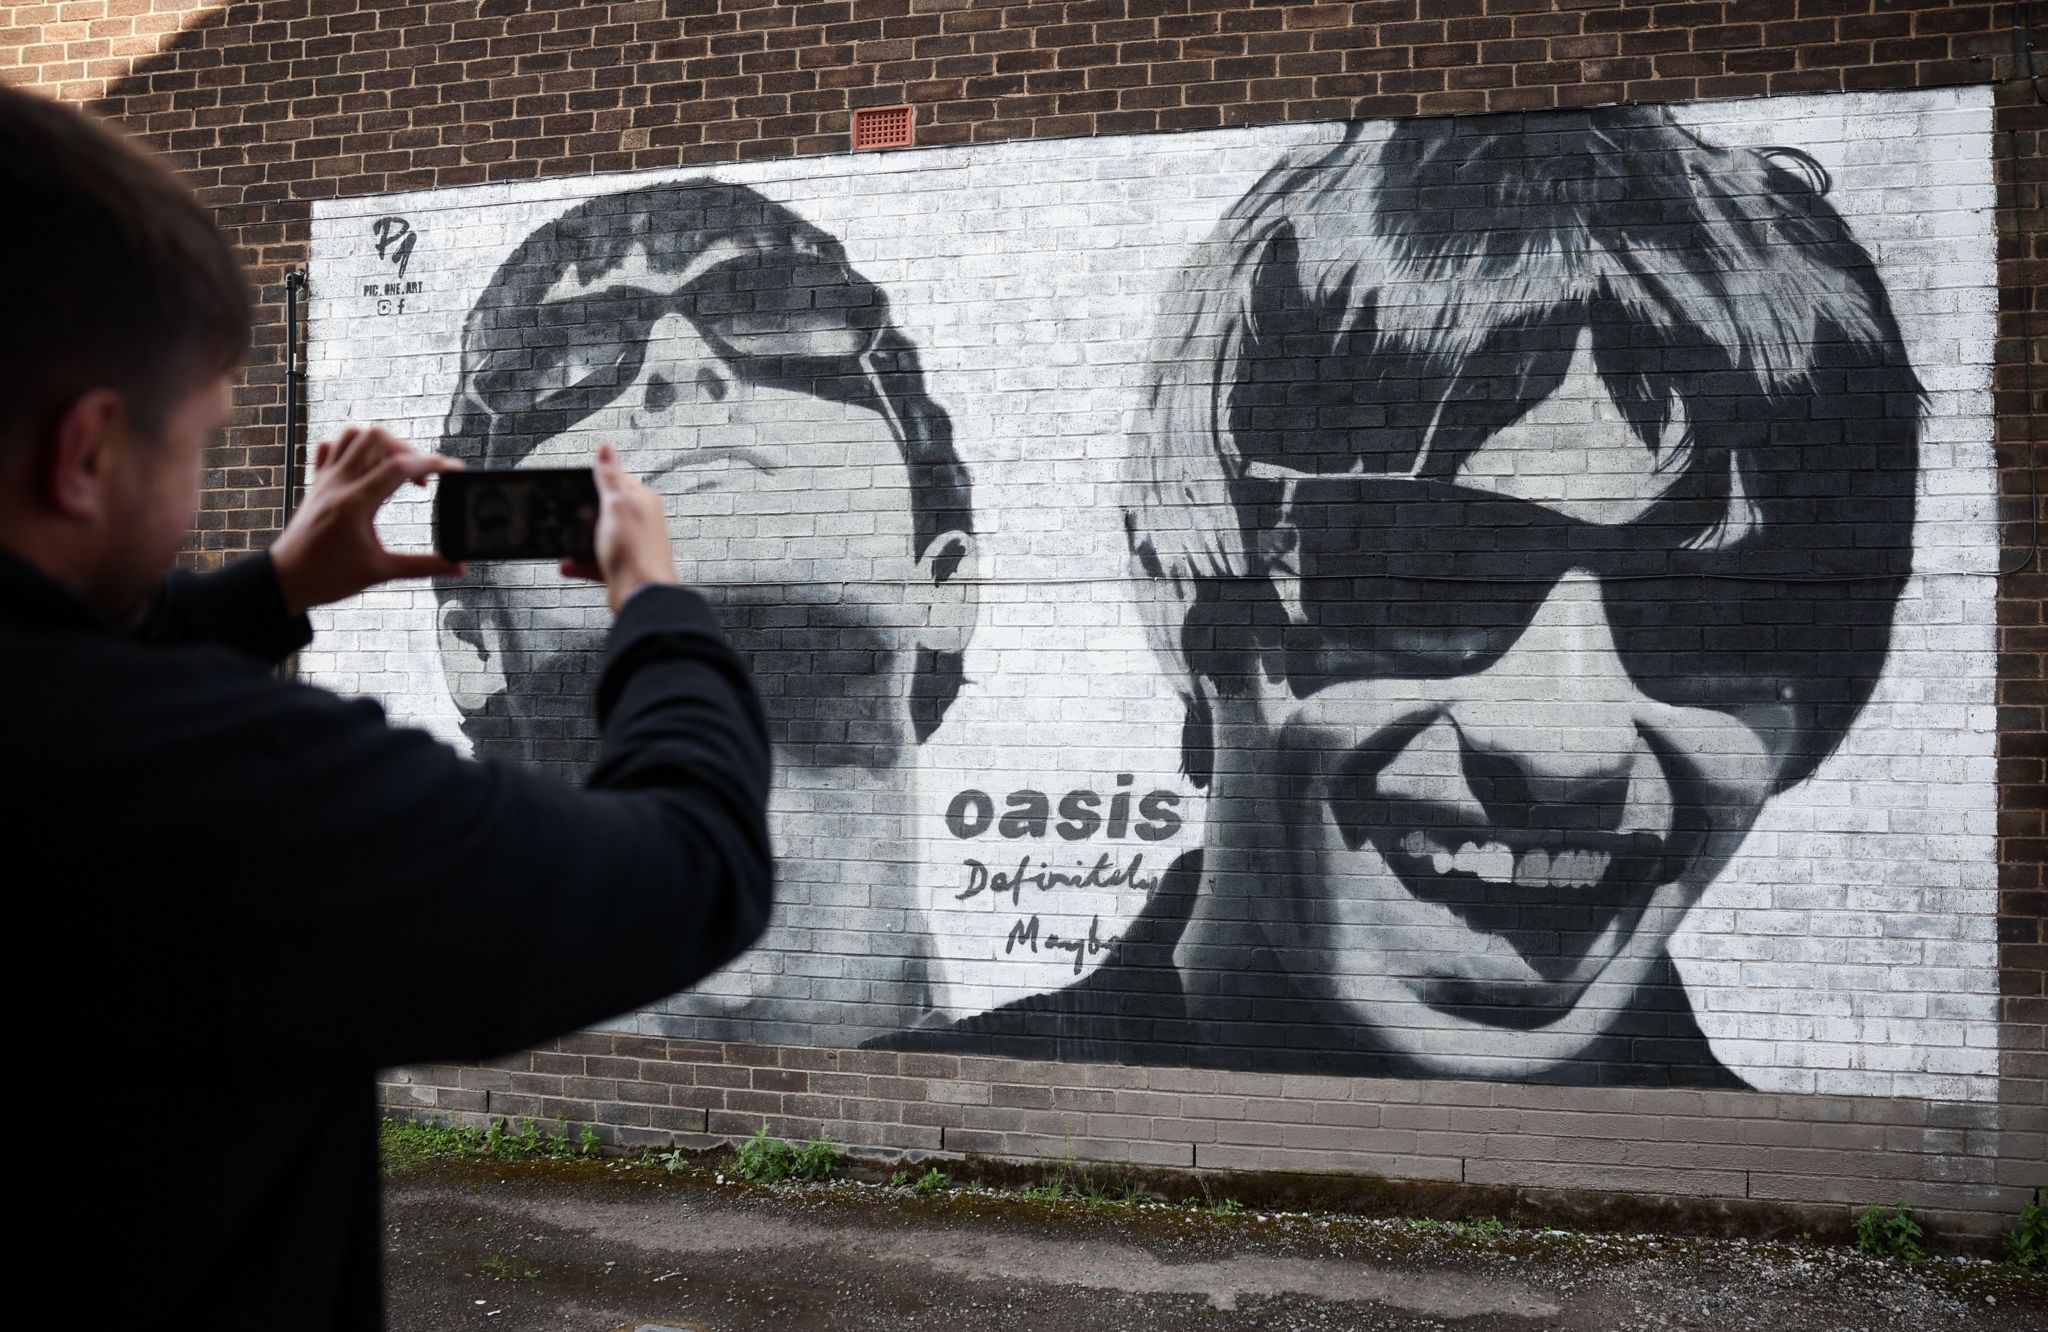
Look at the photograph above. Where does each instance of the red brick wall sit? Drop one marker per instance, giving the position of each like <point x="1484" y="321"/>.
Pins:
<point x="2020" y="386"/>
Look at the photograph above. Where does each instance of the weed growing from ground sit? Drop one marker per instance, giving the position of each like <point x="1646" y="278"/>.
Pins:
<point x="765" y="1160"/>
<point x="1486" y="1227"/>
<point x="498" y="1267"/>
<point x="407" y="1142"/>
<point x="2026" y="1245"/>
<point x="1067" y="1182"/>
<point x="933" y="1180"/>
<point x="1889" y="1232"/>
<point x="1214" y="1204"/>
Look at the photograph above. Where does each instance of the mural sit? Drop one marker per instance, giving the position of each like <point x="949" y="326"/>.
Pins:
<point x="755" y="380"/>
<point x="1521" y="507"/>
<point x="1493" y="597"/>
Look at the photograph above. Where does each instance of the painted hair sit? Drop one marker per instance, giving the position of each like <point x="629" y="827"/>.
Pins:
<point x="1388" y="304"/>
<point x="789" y="310"/>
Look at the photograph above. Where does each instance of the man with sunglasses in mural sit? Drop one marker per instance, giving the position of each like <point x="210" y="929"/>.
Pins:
<point x="1525" y="504"/>
<point x="757" y="382"/>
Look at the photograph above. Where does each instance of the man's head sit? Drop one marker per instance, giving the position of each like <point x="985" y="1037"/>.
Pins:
<point x="747" y="372"/>
<point x="1524" y="504"/>
<point x="130" y="311"/>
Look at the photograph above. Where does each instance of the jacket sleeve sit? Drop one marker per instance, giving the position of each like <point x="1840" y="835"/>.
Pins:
<point x="240" y="606"/>
<point x="424" y="907"/>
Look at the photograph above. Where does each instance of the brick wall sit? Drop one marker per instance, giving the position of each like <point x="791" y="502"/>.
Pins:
<point x="2022" y="384"/>
<point x="270" y="108"/>
<point x="1793" y="1162"/>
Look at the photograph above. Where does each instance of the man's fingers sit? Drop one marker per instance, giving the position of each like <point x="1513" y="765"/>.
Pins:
<point x="432" y="463"/>
<point x="610" y="475"/>
<point x="376" y="485"/>
<point x="365" y="448"/>
<point x="320" y="452"/>
<point x="423" y="566"/>
<point x="343" y="446"/>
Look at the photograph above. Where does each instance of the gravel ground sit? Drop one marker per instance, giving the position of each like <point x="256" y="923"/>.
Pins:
<point x="582" y="1245"/>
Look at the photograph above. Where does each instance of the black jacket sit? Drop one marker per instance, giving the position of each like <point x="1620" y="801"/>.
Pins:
<point x="239" y="897"/>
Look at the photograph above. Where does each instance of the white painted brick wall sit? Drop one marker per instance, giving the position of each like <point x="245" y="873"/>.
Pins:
<point x="1848" y="947"/>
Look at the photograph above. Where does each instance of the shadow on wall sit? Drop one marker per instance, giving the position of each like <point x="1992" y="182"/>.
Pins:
<point x="97" y="56"/>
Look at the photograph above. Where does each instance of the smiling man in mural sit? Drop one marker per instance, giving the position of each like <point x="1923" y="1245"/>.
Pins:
<point x="1524" y="505"/>
<point x="755" y="380"/>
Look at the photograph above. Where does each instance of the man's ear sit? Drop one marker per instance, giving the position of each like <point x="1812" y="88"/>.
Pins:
<point x="75" y="472"/>
<point x="950" y="566"/>
<point x="472" y="650"/>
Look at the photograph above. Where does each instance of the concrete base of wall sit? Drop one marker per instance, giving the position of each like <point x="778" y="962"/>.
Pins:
<point x="1760" y="1161"/>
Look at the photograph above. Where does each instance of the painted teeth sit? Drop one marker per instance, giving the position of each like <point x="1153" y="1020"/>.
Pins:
<point x="1498" y="862"/>
<point x="1566" y="869"/>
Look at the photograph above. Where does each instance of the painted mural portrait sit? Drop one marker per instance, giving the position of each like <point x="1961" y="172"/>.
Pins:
<point x="1523" y="503"/>
<point x="749" y="374"/>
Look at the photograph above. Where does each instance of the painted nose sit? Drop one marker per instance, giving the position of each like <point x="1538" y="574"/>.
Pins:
<point x="1549" y="735"/>
<point x="678" y="364"/>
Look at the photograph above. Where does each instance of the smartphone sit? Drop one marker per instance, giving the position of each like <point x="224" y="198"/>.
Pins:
<point x="528" y="514"/>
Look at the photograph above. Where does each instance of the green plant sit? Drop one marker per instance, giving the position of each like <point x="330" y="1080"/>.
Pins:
<point x="1067" y="1182"/>
<point x="1055" y="1185"/>
<point x="933" y="1180"/>
<point x="1889" y="1232"/>
<point x="589" y="1144"/>
<point x="2026" y="1245"/>
<point x="816" y="1160"/>
<point x="899" y="1179"/>
<point x="766" y="1160"/>
<point x="1483" y="1228"/>
<point x="1214" y="1203"/>
<point x="498" y="1267"/>
<point x="406" y="1143"/>
<point x="763" y="1159"/>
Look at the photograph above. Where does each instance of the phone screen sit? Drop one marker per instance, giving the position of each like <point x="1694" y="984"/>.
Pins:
<point x="528" y="514"/>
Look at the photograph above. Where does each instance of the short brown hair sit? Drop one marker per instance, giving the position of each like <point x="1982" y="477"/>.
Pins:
<point x="117" y="277"/>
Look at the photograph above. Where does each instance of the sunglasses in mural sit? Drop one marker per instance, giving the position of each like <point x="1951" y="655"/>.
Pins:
<point x="591" y="349"/>
<point x="1400" y="578"/>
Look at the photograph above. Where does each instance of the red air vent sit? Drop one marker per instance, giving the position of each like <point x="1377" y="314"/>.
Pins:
<point x="882" y="127"/>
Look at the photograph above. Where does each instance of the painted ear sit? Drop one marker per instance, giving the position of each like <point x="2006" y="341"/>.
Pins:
<point x="939" y="665"/>
<point x="951" y="568"/>
<point x="472" y="652"/>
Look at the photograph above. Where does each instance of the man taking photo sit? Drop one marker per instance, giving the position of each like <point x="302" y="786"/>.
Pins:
<point x="243" y="896"/>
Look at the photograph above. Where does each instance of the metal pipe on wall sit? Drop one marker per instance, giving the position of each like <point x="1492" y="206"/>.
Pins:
<point x="294" y="378"/>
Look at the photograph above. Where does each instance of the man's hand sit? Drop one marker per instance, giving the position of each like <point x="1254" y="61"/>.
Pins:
<point x="632" y="534"/>
<point x="330" y="550"/>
